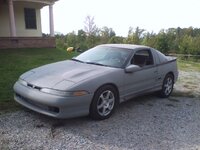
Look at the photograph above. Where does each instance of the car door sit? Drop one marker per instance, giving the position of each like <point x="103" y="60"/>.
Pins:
<point x="144" y="79"/>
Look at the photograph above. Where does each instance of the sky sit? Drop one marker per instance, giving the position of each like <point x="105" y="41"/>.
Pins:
<point x="151" y="15"/>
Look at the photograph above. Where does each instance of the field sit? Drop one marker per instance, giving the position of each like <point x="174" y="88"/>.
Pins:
<point x="14" y="62"/>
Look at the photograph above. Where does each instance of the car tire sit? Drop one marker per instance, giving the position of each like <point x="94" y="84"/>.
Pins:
<point x="167" y="87"/>
<point x="104" y="102"/>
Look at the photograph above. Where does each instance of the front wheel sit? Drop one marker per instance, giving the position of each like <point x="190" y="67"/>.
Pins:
<point x="167" y="86"/>
<point x="104" y="102"/>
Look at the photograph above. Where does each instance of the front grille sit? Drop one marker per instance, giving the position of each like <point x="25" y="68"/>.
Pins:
<point x="38" y="105"/>
<point x="33" y="86"/>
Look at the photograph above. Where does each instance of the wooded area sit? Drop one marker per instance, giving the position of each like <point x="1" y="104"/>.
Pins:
<point x="173" y="40"/>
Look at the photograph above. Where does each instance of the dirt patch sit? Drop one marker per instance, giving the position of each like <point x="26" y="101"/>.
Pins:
<point x="188" y="84"/>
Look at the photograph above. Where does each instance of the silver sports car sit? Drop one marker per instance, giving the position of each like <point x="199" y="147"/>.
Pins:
<point x="96" y="81"/>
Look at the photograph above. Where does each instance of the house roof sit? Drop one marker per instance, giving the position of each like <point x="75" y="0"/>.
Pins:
<point x="47" y="2"/>
<point x="33" y="3"/>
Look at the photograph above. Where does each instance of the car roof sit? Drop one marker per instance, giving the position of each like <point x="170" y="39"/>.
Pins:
<point x="126" y="46"/>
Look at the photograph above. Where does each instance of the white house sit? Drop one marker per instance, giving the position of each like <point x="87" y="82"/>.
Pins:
<point x="20" y="23"/>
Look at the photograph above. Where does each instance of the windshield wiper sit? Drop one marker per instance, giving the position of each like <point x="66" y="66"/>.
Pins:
<point x="94" y="63"/>
<point x="74" y="59"/>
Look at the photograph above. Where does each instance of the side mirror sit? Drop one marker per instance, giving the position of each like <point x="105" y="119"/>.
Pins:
<point x="132" y="68"/>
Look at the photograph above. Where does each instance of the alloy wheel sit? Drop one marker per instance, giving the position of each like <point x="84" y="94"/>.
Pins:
<point x="105" y="103"/>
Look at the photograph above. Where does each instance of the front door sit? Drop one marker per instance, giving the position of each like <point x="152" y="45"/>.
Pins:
<point x="143" y="80"/>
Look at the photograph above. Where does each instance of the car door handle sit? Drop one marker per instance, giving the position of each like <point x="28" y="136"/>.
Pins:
<point x="155" y="71"/>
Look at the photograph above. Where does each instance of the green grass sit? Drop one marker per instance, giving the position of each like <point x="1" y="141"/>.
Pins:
<point x="14" y="62"/>
<point x="184" y="65"/>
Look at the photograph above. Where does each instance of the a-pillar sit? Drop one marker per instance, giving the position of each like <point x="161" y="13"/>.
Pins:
<point x="12" y="19"/>
<point x="51" y="22"/>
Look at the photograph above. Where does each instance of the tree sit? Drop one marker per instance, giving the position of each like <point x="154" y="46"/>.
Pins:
<point x="90" y="28"/>
<point x="106" y="34"/>
<point x="172" y="39"/>
<point x="162" y="42"/>
<point x="71" y="40"/>
<point x="149" y="39"/>
<point x="178" y="40"/>
<point x="92" y="32"/>
<point x="134" y="36"/>
<point x="82" y="40"/>
<point x="116" y="39"/>
<point x="185" y="45"/>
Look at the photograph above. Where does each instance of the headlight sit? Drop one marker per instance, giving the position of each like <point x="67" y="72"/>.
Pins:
<point x="22" y="82"/>
<point x="64" y="93"/>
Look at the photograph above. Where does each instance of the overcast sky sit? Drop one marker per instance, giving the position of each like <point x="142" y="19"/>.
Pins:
<point x="152" y="15"/>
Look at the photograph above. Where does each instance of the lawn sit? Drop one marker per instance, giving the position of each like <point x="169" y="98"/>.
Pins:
<point x="14" y="62"/>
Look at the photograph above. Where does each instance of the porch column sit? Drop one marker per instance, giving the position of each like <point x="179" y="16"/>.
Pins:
<point x="12" y="19"/>
<point x="51" y="23"/>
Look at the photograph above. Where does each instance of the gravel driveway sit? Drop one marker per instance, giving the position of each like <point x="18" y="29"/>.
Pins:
<point x="144" y="123"/>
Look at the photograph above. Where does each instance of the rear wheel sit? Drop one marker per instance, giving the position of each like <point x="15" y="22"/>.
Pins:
<point x="167" y="86"/>
<point x="104" y="102"/>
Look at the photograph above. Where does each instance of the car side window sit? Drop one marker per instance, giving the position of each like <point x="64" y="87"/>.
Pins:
<point x="142" y="58"/>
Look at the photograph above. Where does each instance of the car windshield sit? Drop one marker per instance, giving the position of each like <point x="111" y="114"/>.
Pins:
<point x="105" y="56"/>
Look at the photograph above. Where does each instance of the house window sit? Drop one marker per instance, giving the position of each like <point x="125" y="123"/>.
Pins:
<point x="30" y="18"/>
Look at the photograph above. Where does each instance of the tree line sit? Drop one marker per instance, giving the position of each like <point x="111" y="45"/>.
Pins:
<point x="173" y="40"/>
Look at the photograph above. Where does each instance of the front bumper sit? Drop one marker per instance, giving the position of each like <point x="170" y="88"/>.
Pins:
<point x="52" y="105"/>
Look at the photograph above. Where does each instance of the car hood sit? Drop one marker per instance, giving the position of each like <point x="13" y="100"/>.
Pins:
<point x="69" y="71"/>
